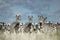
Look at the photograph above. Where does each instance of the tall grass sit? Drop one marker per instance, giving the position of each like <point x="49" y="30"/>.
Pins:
<point x="29" y="36"/>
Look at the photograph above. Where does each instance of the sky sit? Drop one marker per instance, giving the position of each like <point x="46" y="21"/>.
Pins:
<point x="48" y="8"/>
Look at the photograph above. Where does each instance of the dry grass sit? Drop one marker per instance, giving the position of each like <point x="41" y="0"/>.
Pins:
<point x="27" y="36"/>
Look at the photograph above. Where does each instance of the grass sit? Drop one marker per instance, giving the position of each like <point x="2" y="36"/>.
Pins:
<point x="27" y="36"/>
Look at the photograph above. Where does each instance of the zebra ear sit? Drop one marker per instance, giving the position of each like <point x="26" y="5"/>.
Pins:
<point x="16" y="15"/>
<point x="32" y="16"/>
<point x="19" y="15"/>
<point x="28" y="16"/>
<point x="45" y="18"/>
<point x="38" y="16"/>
